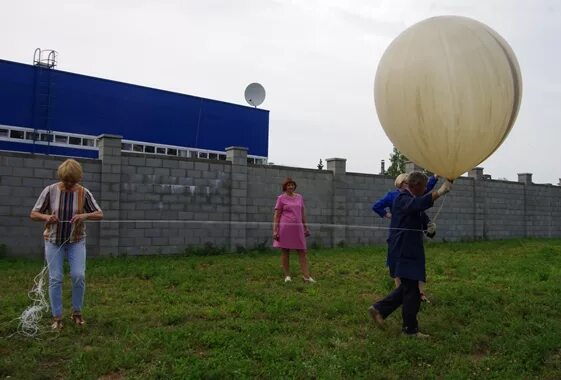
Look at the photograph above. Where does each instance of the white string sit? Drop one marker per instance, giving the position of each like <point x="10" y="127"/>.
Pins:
<point x="177" y="221"/>
<point x="440" y="208"/>
<point x="28" y="321"/>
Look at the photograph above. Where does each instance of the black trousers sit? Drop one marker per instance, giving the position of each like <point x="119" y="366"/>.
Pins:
<point x="408" y="296"/>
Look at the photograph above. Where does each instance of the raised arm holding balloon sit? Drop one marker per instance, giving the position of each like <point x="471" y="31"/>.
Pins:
<point x="383" y="205"/>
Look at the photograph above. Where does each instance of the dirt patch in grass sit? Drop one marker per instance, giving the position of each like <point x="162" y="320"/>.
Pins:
<point x="112" y="376"/>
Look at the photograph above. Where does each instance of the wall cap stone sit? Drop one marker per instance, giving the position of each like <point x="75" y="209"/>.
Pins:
<point x="110" y="136"/>
<point x="336" y="159"/>
<point x="237" y="148"/>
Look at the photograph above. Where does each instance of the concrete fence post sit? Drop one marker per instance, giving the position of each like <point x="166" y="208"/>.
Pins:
<point x="109" y="199"/>
<point x="339" y="168"/>
<point x="238" y="196"/>
<point x="526" y="179"/>
<point x="479" y="204"/>
<point x="410" y="166"/>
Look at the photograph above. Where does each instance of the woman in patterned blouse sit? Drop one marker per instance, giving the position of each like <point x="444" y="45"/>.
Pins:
<point x="64" y="206"/>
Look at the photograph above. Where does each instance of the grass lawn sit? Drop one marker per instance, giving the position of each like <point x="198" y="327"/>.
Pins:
<point x="495" y="313"/>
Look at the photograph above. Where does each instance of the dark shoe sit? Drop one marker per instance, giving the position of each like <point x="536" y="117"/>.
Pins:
<point x="77" y="318"/>
<point x="376" y="316"/>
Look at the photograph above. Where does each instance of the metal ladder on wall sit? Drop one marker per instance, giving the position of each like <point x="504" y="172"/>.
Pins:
<point x="44" y="61"/>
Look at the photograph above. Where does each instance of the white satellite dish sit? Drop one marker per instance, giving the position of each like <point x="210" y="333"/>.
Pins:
<point x="254" y="94"/>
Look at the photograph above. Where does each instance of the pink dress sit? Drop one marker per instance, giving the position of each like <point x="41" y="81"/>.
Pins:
<point x="291" y="228"/>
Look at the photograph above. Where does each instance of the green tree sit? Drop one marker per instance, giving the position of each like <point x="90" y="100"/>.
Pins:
<point x="398" y="161"/>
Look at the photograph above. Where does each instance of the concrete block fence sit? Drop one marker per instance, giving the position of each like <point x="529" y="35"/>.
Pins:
<point x="164" y="205"/>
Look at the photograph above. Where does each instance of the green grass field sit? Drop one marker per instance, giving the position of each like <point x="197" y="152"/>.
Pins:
<point x="495" y="313"/>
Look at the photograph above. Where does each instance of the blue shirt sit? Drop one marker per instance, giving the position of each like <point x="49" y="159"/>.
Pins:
<point x="406" y="253"/>
<point x="387" y="201"/>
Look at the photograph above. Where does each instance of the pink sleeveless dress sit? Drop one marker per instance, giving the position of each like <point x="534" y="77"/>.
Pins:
<point x="291" y="228"/>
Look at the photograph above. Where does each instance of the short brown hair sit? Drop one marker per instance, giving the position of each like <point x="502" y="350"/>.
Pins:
<point x="288" y="180"/>
<point x="417" y="178"/>
<point x="70" y="170"/>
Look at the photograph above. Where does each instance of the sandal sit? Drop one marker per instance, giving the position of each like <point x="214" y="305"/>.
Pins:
<point x="77" y="318"/>
<point x="424" y="298"/>
<point x="56" y="324"/>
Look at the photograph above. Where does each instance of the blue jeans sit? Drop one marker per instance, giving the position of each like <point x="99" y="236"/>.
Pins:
<point x="76" y="253"/>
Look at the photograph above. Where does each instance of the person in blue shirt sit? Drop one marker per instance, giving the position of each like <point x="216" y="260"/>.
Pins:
<point x="383" y="206"/>
<point x="406" y="259"/>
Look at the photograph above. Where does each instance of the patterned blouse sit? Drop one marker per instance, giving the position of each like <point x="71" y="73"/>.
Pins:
<point x="55" y="199"/>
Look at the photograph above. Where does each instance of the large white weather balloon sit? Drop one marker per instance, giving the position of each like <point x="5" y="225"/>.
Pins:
<point x="447" y="92"/>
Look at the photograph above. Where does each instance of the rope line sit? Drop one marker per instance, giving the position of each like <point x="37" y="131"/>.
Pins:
<point x="28" y="321"/>
<point x="440" y="208"/>
<point x="226" y="222"/>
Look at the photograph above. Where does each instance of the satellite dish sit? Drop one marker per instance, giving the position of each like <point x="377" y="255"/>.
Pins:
<point x="254" y="94"/>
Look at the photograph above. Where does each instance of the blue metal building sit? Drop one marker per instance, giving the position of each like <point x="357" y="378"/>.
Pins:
<point x="47" y="111"/>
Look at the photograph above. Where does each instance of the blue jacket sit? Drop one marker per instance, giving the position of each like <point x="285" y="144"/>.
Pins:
<point x="406" y="253"/>
<point x="386" y="202"/>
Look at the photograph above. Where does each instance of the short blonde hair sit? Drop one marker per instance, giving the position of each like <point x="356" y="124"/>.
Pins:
<point x="70" y="170"/>
<point x="400" y="179"/>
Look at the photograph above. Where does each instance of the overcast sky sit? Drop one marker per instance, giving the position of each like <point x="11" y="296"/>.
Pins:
<point x="316" y="60"/>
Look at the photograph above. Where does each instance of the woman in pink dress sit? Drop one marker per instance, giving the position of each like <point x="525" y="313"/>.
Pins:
<point x="290" y="230"/>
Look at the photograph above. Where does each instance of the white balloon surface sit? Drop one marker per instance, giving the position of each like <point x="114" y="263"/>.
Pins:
<point x="447" y="93"/>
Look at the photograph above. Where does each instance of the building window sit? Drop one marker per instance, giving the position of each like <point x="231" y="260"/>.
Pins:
<point x="17" y="134"/>
<point x="213" y="156"/>
<point x="203" y="155"/>
<point x="138" y="148"/>
<point x="184" y="153"/>
<point x="31" y="136"/>
<point x="161" y="150"/>
<point x="74" y="140"/>
<point x="250" y="160"/>
<point x="172" y="152"/>
<point x="222" y="157"/>
<point x="46" y="137"/>
<point x="61" y="139"/>
<point x="126" y="146"/>
<point x="4" y="132"/>
<point x="88" y="142"/>
<point x="149" y="149"/>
